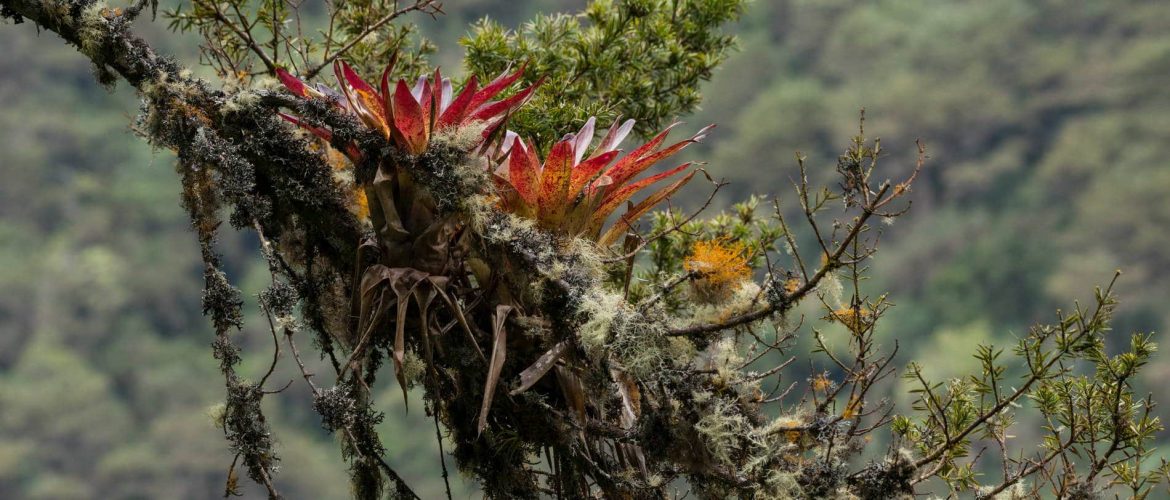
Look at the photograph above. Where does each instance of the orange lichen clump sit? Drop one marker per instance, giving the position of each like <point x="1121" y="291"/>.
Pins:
<point x="334" y="157"/>
<point x="792" y="428"/>
<point x="792" y="285"/>
<point x="821" y="383"/>
<point x="856" y="320"/>
<point x="358" y="203"/>
<point x="719" y="265"/>
<point x="852" y="409"/>
<point x="361" y="204"/>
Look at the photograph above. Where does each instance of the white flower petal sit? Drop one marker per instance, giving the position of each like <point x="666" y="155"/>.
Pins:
<point x="418" y="88"/>
<point x="584" y="137"/>
<point x="445" y="99"/>
<point x="614" y="137"/>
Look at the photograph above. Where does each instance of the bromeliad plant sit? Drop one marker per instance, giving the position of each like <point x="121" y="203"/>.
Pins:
<point x="417" y="254"/>
<point x="409" y="115"/>
<point x="422" y="253"/>
<point x="405" y="218"/>
<point x="571" y="194"/>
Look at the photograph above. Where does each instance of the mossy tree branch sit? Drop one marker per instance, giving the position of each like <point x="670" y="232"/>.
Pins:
<point x="614" y="395"/>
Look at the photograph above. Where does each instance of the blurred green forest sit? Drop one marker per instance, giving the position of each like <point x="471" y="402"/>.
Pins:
<point x="1047" y="123"/>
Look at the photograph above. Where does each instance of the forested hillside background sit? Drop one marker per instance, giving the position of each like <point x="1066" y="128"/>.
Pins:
<point x="1048" y="127"/>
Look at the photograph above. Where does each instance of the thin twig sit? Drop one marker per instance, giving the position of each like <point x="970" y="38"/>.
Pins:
<point x="419" y="5"/>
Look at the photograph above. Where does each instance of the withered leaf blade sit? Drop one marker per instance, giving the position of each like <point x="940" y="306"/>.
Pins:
<point x="631" y="411"/>
<point x="424" y="294"/>
<point x="631" y="397"/>
<point x="403" y="281"/>
<point x="573" y="391"/>
<point x="431" y="249"/>
<point x="499" y="352"/>
<point x="457" y="310"/>
<point x="534" y="373"/>
<point x="383" y="210"/>
<point x="372" y="279"/>
<point x="574" y="394"/>
<point x="368" y="247"/>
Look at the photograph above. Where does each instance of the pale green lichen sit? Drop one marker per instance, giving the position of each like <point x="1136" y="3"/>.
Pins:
<point x="287" y="323"/>
<point x="655" y="481"/>
<point x="241" y="101"/>
<point x="722" y="428"/>
<point x="462" y="138"/>
<point x="57" y="13"/>
<point x="701" y="396"/>
<point x="780" y="484"/>
<point x="585" y="259"/>
<point x="265" y="82"/>
<point x="412" y="368"/>
<point x="681" y="349"/>
<point x="725" y="359"/>
<point x="478" y="210"/>
<point x="765" y="446"/>
<point x="160" y="94"/>
<point x="496" y="226"/>
<point x="831" y="287"/>
<point x="779" y="424"/>
<point x="93" y="28"/>
<point x="1018" y="491"/>
<point x="216" y="413"/>
<point x="889" y="478"/>
<point x="744" y="298"/>
<point x="450" y="170"/>
<point x="638" y="344"/>
<point x="843" y="493"/>
<point x="616" y="331"/>
<point x="601" y="307"/>
<point x="641" y="346"/>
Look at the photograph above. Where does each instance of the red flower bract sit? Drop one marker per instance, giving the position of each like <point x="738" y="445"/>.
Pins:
<point x="409" y="115"/>
<point x="575" y="194"/>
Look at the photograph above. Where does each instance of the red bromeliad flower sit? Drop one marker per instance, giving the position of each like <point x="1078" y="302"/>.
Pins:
<point x="409" y="116"/>
<point x="575" y="194"/>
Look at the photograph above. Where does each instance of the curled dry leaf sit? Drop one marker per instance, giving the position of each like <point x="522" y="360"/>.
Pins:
<point x="499" y="353"/>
